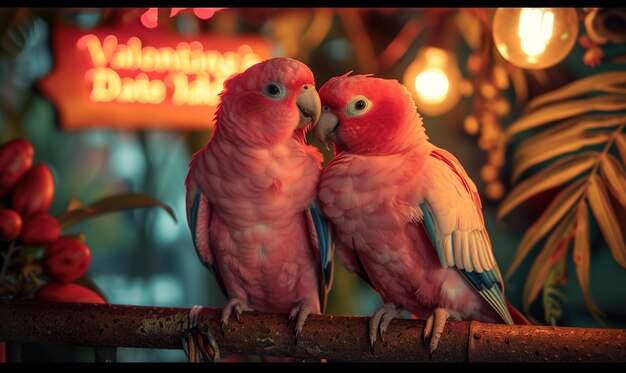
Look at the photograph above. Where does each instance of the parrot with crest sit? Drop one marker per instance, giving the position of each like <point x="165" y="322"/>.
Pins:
<point x="406" y="216"/>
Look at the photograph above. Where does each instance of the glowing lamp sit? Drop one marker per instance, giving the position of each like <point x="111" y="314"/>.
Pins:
<point x="535" y="38"/>
<point x="434" y="79"/>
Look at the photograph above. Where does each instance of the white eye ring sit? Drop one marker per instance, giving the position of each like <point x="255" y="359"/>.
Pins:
<point x="359" y="105"/>
<point x="274" y="90"/>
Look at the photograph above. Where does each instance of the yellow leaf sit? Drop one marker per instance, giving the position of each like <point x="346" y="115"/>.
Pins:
<point x="555" y="246"/>
<point x="620" y="142"/>
<point x="582" y="258"/>
<point x="559" y="207"/>
<point x="565" y="129"/>
<point x="543" y="151"/>
<point x="607" y="82"/>
<point x="615" y="177"/>
<point x="565" y="110"/>
<point x="607" y="221"/>
<point x="555" y="174"/>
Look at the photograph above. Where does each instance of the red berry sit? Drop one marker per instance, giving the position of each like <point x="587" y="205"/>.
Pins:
<point x="34" y="191"/>
<point x="67" y="292"/>
<point x="66" y="259"/>
<point x="16" y="157"/>
<point x="40" y="229"/>
<point x="10" y="225"/>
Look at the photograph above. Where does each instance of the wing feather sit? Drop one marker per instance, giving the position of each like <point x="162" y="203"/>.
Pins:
<point x="454" y="222"/>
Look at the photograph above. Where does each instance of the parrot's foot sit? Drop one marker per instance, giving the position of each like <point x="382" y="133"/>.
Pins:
<point x="198" y="342"/>
<point x="435" y="323"/>
<point x="380" y="321"/>
<point x="233" y="305"/>
<point x="299" y="313"/>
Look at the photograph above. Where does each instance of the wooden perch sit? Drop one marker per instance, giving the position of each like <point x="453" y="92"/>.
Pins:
<point x="336" y="338"/>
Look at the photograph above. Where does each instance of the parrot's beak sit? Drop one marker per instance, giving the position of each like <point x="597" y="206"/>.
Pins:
<point x="310" y="106"/>
<point x="326" y="129"/>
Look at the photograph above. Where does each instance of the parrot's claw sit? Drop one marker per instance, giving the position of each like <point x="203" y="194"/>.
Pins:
<point x="380" y="321"/>
<point x="299" y="313"/>
<point x="233" y="305"/>
<point x="435" y="324"/>
<point x="198" y="342"/>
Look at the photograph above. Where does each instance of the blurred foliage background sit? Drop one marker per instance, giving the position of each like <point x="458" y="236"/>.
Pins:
<point x="143" y="257"/>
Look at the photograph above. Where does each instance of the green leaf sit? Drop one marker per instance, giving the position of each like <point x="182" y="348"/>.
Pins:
<point x="582" y="258"/>
<point x="551" y="295"/>
<point x="608" y="82"/>
<point x="555" y="211"/>
<point x="620" y="142"/>
<point x="615" y="177"/>
<point x="118" y="202"/>
<point x="565" y="110"/>
<point x="555" y="247"/>
<point x="543" y="151"/>
<point x="606" y="218"/>
<point x="555" y="174"/>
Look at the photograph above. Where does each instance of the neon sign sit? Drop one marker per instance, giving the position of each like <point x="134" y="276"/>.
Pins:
<point x="139" y="78"/>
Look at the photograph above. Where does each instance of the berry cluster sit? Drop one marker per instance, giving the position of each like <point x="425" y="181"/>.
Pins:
<point x="26" y="193"/>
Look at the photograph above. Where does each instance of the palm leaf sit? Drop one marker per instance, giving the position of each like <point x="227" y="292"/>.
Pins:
<point x="606" y="218"/>
<point x="565" y="110"/>
<point x="551" y="295"/>
<point x="620" y="142"/>
<point x="543" y="151"/>
<point x="582" y="258"/>
<point x="607" y="82"/>
<point x="556" y="174"/>
<point x="570" y="127"/>
<point x="555" y="211"/>
<point x="110" y="204"/>
<point x="555" y="247"/>
<point x="615" y="177"/>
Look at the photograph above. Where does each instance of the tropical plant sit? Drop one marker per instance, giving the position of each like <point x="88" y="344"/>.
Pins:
<point x="36" y="260"/>
<point x="577" y="150"/>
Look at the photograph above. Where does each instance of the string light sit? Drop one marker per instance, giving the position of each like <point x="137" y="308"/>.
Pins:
<point x="434" y="79"/>
<point x="535" y="38"/>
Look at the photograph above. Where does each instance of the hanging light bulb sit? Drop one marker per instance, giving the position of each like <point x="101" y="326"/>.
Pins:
<point x="434" y="79"/>
<point x="535" y="38"/>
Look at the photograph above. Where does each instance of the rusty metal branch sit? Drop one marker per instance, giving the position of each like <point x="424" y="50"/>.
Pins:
<point x="324" y="336"/>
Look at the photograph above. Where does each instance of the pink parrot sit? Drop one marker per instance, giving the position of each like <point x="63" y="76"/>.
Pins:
<point x="251" y="195"/>
<point x="406" y="216"/>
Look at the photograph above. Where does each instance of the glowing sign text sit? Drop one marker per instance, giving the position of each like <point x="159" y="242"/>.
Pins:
<point x="210" y="68"/>
<point x="130" y="76"/>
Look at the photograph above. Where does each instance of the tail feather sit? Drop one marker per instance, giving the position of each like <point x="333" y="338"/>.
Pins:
<point x="518" y="317"/>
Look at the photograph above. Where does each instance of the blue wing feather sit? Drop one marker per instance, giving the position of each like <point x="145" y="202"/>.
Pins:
<point x="485" y="282"/>
<point x="323" y="234"/>
<point x="324" y="238"/>
<point x="194" y="220"/>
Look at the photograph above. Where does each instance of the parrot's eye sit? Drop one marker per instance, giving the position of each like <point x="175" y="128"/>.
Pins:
<point x="357" y="106"/>
<point x="326" y="109"/>
<point x="360" y="105"/>
<point x="274" y="90"/>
